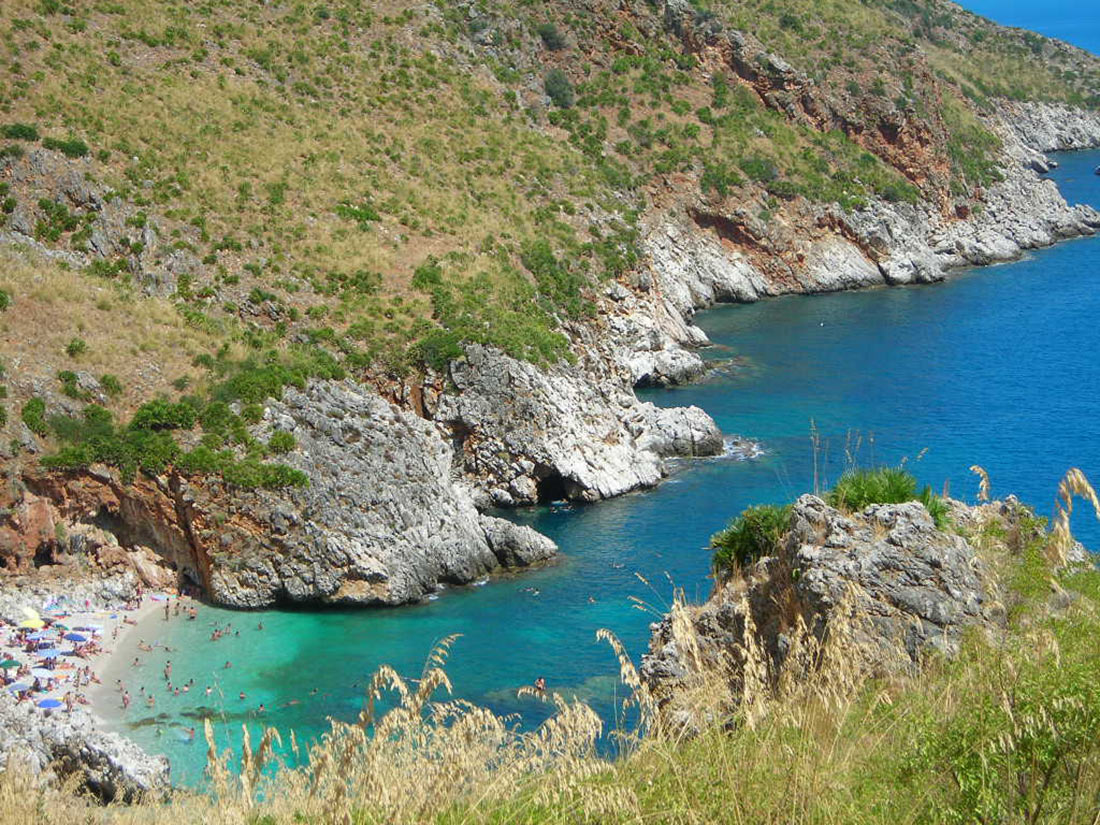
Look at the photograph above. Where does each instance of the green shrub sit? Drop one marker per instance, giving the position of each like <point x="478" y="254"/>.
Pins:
<point x="551" y="37"/>
<point x="111" y="385"/>
<point x="72" y="148"/>
<point x="752" y="535"/>
<point x="5" y="300"/>
<point x="281" y="442"/>
<point x="19" y="131"/>
<point x="163" y="415"/>
<point x="76" y="347"/>
<point x="252" y="413"/>
<point x="859" y="488"/>
<point x="70" y="387"/>
<point x="12" y="150"/>
<point x="559" y="89"/>
<point x="34" y="416"/>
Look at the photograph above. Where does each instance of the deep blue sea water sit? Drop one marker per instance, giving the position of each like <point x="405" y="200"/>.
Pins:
<point x="997" y="367"/>
<point x="1075" y="21"/>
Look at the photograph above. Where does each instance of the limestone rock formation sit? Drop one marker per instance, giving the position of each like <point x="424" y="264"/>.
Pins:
<point x="382" y="521"/>
<point x="525" y="435"/>
<point x="905" y="588"/>
<point x="60" y="745"/>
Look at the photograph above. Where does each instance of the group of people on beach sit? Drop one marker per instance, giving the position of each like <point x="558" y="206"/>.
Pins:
<point x="42" y="667"/>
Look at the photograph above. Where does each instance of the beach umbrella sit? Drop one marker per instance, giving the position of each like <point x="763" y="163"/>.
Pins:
<point x="50" y="703"/>
<point x="31" y="613"/>
<point x="52" y="653"/>
<point x="17" y="688"/>
<point x="9" y="663"/>
<point x="34" y="624"/>
<point x="39" y="636"/>
<point x="42" y="673"/>
<point x="75" y="637"/>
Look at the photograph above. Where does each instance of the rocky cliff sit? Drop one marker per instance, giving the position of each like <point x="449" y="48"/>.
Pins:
<point x="382" y="521"/>
<point x="884" y="585"/>
<point x="60" y="746"/>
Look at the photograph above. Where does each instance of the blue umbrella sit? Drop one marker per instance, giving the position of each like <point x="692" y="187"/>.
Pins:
<point x="50" y="703"/>
<point x="39" y="636"/>
<point x="17" y="688"/>
<point x="76" y="637"/>
<point x="52" y="653"/>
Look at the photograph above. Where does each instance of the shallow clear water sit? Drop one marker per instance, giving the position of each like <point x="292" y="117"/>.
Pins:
<point x="997" y="367"/>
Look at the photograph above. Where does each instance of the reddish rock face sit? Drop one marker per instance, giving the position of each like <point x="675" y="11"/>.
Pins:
<point x="29" y="531"/>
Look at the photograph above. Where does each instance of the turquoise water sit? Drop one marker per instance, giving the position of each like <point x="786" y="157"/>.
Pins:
<point x="997" y="367"/>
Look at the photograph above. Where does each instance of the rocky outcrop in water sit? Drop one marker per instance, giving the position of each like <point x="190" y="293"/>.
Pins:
<point x="524" y="435"/>
<point x="904" y="588"/>
<point x="59" y="745"/>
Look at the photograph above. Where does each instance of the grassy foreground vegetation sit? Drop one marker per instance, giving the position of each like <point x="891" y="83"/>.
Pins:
<point x="1007" y="732"/>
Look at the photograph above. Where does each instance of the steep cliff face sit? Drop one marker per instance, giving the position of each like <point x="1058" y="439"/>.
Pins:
<point x="525" y="435"/>
<point x="382" y="521"/>
<point x="884" y="584"/>
<point x="711" y="252"/>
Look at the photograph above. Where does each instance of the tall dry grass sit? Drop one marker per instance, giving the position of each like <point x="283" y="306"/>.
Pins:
<point x="1008" y="732"/>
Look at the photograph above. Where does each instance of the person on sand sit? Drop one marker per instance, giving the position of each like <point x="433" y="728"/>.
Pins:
<point x="68" y="702"/>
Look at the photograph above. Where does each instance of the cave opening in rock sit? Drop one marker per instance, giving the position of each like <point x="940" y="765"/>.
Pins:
<point x="551" y="487"/>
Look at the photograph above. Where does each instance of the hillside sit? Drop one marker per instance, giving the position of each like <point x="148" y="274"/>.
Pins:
<point x="282" y="173"/>
<point x="497" y="217"/>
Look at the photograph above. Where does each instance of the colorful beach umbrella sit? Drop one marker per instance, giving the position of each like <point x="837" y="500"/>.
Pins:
<point x="9" y="663"/>
<point x="17" y="688"/>
<point x="75" y="637"/>
<point x="31" y="613"/>
<point x="50" y="703"/>
<point x="42" y="673"/>
<point x="52" y="653"/>
<point x="34" y="624"/>
<point x="39" y="636"/>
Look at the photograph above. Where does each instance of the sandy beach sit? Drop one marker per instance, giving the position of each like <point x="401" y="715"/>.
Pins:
<point x="112" y="630"/>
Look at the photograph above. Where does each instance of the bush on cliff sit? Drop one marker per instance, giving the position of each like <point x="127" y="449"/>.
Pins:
<point x="751" y="536"/>
<point x="858" y="488"/>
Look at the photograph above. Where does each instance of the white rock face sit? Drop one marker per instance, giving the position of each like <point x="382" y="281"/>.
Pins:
<point x="525" y="434"/>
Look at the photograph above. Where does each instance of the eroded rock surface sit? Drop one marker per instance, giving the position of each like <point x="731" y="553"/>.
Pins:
<point x="525" y="435"/>
<point x="60" y="745"/>
<point x="904" y="588"/>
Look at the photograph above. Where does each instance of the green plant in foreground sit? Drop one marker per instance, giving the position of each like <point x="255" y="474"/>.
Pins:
<point x="751" y="536"/>
<point x="858" y="488"/>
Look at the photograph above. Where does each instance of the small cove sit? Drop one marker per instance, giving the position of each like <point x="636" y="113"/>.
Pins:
<point x="996" y="367"/>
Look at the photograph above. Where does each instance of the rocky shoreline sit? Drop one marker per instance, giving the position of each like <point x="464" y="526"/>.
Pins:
<point x="398" y="487"/>
<point x="394" y="507"/>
